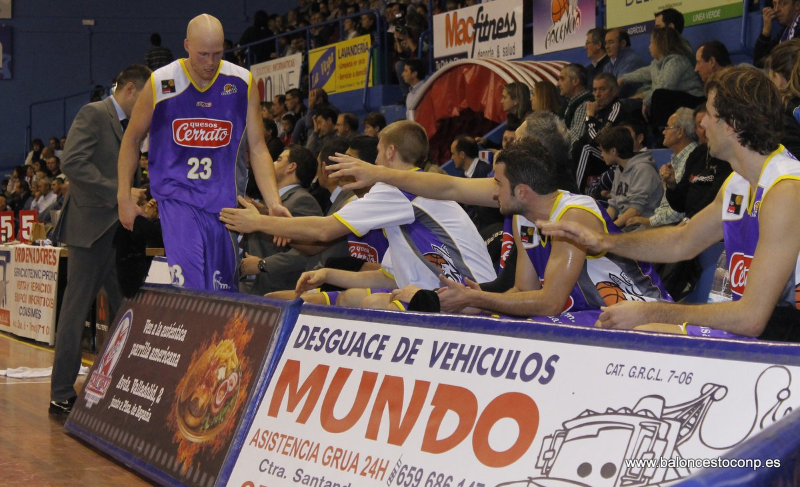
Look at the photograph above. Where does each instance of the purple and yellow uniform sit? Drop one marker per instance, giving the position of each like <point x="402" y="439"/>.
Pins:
<point x="605" y="279"/>
<point x="197" y="167"/>
<point x="740" y="222"/>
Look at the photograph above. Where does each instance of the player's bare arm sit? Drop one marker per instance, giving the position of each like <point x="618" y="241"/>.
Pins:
<point x="468" y="191"/>
<point x="260" y="159"/>
<point x="128" y="162"/>
<point x="305" y="228"/>
<point x="779" y="241"/>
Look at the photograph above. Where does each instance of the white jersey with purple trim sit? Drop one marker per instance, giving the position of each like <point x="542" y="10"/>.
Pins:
<point x="426" y="237"/>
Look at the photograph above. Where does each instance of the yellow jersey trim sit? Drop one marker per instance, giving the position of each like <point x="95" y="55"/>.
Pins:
<point x="210" y="83"/>
<point x="349" y="227"/>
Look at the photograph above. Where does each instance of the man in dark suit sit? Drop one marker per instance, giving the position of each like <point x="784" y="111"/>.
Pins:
<point x="88" y="223"/>
<point x="278" y="268"/>
<point x="464" y="151"/>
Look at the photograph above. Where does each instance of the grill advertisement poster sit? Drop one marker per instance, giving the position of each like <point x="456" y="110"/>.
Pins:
<point x="173" y="381"/>
<point x="356" y="403"/>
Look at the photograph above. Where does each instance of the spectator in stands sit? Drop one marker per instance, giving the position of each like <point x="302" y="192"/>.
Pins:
<point x="544" y="96"/>
<point x="317" y="100"/>
<point x="636" y="190"/>
<point x="710" y="58"/>
<point x="787" y="13"/>
<point x="596" y="52"/>
<point x="144" y="167"/>
<point x="278" y="108"/>
<point x="374" y="123"/>
<point x="55" y="144"/>
<point x="672" y="19"/>
<point x="621" y="58"/>
<point x="53" y="166"/>
<point x="406" y="38"/>
<point x="413" y="75"/>
<point x="157" y="55"/>
<point x="257" y="32"/>
<point x="681" y="138"/>
<point x="461" y="254"/>
<point x="274" y="143"/>
<point x="346" y="125"/>
<point x="45" y="200"/>
<point x="287" y="127"/>
<point x="601" y="188"/>
<point x="762" y="238"/>
<point x="295" y="168"/>
<point x="784" y="72"/>
<point x="670" y="71"/>
<point x="367" y="25"/>
<point x="516" y="101"/>
<point x="325" y="128"/>
<point x="36" y="150"/>
<point x="321" y="35"/>
<point x="266" y="110"/>
<point x="30" y="174"/>
<point x="22" y="197"/>
<point x="572" y="85"/>
<point x="464" y="152"/>
<point x="350" y="29"/>
<point x="702" y="178"/>
<point x="603" y="112"/>
<point x="292" y="19"/>
<point x="294" y="103"/>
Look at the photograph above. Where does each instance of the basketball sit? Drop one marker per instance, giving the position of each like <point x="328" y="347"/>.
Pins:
<point x="610" y="292"/>
<point x="559" y="8"/>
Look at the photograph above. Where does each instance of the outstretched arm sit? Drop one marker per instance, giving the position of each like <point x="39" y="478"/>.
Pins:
<point x="305" y="228"/>
<point x="478" y="191"/>
<point x="138" y="126"/>
<point x="779" y="242"/>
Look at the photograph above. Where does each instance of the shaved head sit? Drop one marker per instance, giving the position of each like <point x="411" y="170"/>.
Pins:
<point x="204" y="25"/>
<point x="204" y="44"/>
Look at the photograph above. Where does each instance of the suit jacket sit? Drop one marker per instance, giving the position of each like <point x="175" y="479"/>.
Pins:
<point x="482" y="169"/>
<point x="90" y="162"/>
<point x="284" y="264"/>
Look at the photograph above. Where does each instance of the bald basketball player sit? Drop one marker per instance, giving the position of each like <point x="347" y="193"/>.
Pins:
<point x="198" y="110"/>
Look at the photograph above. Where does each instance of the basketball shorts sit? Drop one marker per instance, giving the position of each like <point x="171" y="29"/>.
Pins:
<point x="201" y="252"/>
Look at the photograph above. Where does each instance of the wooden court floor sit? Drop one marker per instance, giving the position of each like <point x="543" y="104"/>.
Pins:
<point x="35" y="449"/>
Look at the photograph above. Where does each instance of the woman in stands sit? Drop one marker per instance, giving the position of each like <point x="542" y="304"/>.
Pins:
<point x="670" y="69"/>
<point x="544" y="96"/>
<point x="784" y="71"/>
<point x="516" y="101"/>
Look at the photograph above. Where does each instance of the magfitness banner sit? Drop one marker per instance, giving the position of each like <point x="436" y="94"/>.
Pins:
<point x="180" y="372"/>
<point x="278" y="76"/>
<point x="487" y="30"/>
<point x="365" y="403"/>
<point x="638" y="17"/>
<point x="342" y="66"/>
<point x="28" y="291"/>
<point x="561" y="24"/>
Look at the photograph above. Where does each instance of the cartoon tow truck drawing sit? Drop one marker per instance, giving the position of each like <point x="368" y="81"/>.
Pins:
<point x="591" y="449"/>
<point x="611" y="449"/>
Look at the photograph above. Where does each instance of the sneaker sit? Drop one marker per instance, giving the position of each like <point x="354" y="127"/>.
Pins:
<point x="62" y="407"/>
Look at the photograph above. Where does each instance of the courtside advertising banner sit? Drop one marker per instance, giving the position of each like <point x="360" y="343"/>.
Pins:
<point x="278" y="76"/>
<point x="342" y="66"/>
<point x="484" y="30"/>
<point x="638" y="17"/>
<point x="454" y="404"/>
<point x="561" y="24"/>
<point x="28" y="291"/>
<point x="174" y="382"/>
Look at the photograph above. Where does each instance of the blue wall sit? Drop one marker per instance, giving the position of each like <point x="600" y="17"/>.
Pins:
<point x="51" y="51"/>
